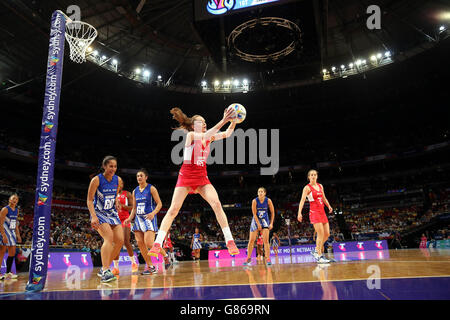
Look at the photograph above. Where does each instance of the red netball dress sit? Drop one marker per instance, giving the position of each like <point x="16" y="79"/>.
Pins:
<point x="167" y="242"/>
<point x="193" y="171"/>
<point x="124" y="214"/>
<point x="316" y="210"/>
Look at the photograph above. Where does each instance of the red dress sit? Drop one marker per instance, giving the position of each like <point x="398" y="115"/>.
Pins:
<point x="316" y="210"/>
<point x="167" y="242"/>
<point x="124" y="214"/>
<point x="193" y="171"/>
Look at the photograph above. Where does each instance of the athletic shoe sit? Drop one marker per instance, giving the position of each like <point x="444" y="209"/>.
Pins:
<point x="10" y="275"/>
<point x="148" y="271"/>
<point x="322" y="259"/>
<point x="232" y="249"/>
<point x="134" y="267"/>
<point x="315" y="255"/>
<point x="115" y="271"/>
<point x="100" y="273"/>
<point x="269" y="263"/>
<point x="2" y="277"/>
<point x="248" y="262"/>
<point x="155" y="250"/>
<point x="167" y="262"/>
<point x="108" y="276"/>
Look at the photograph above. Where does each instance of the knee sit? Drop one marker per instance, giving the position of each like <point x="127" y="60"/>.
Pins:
<point x="173" y="210"/>
<point x="216" y="204"/>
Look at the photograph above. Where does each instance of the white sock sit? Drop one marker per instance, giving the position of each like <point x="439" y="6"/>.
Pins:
<point x="133" y="259"/>
<point x="160" y="237"/>
<point x="116" y="264"/>
<point x="227" y="234"/>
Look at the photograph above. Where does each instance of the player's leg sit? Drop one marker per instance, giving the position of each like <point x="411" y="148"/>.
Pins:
<point x="318" y="227"/>
<point x="251" y="245"/>
<point x="2" y="255"/>
<point x="209" y="193"/>
<point x="129" y="247"/>
<point x="9" y="262"/>
<point x="179" y="194"/>
<point x="106" y="250"/>
<point x="139" y="235"/>
<point x="265" y="234"/>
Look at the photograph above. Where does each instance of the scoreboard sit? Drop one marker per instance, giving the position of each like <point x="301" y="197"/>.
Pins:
<point x="208" y="9"/>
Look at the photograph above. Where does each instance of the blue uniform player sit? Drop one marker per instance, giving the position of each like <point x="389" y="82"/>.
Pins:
<point x="146" y="205"/>
<point x="10" y="235"/>
<point x="261" y="222"/>
<point x="196" y="244"/>
<point x="101" y="202"/>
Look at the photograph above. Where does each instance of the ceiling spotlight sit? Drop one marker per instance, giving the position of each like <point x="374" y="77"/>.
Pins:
<point x="159" y="77"/>
<point x="373" y="58"/>
<point x="137" y="71"/>
<point x="227" y="82"/>
<point x="216" y="83"/>
<point x="351" y="65"/>
<point x="103" y="57"/>
<point x="342" y="67"/>
<point x="441" y="28"/>
<point x="364" y="61"/>
<point x="324" y="71"/>
<point x="89" y="49"/>
<point x="146" y="73"/>
<point x="236" y="82"/>
<point x="203" y="83"/>
<point x="245" y="82"/>
<point x="379" y="55"/>
<point x="114" y="61"/>
<point x="358" y="62"/>
<point x="333" y="69"/>
<point x="95" y="53"/>
<point x="387" y="54"/>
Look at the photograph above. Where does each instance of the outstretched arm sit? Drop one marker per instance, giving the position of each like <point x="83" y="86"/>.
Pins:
<point x="226" y="134"/>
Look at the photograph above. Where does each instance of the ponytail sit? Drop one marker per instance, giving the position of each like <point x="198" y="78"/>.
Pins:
<point x="184" y="121"/>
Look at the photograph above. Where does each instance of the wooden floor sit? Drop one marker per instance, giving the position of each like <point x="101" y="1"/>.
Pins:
<point x="400" y="264"/>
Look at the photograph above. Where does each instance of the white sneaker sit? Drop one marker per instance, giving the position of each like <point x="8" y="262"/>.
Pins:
<point x="322" y="259"/>
<point x="11" y="275"/>
<point x="315" y="255"/>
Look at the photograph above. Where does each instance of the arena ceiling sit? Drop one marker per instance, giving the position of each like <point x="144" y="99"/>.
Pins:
<point x="164" y="36"/>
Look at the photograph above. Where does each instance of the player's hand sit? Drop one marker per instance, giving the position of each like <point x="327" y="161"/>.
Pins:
<point x="330" y="209"/>
<point x="4" y="239"/>
<point x="259" y="227"/>
<point x="270" y="226"/>
<point x="19" y="239"/>
<point x="150" y="216"/>
<point x="127" y="221"/>
<point x="299" y="218"/>
<point x="118" y="206"/>
<point x="95" y="223"/>
<point x="229" y="114"/>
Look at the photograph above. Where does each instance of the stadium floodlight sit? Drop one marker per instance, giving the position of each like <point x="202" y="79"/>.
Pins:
<point x="114" y="62"/>
<point x="324" y="71"/>
<point x="236" y="82"/>
<point x="373" y="58"/>
<point x="146" y="73"/>
<point x="333" y="69"/>
<point x="364" y="61"/>
<point x="216" y="83"/>
<point x="159" y="77"/>
<point x="137" y="71"/>
<point x="203" y="83"/>
<point x="441" y="28"/>
<point x="351" y="65"/>
<point x="245" y="82"/>
<point x="103" y="57"/>
<point x="342" y="67"/>
<point x="358" y="62"/>
<point x="227" y="82"/>
<point x="387" y="54"/>
<point x="95" y="53"/>
<point x="379" y="55"/>
<point x="89" y="49"/>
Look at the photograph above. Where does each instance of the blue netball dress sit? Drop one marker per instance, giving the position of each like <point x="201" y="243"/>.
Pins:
<point x="262" y="211"/>
<point x="144" y="205"/>
<point x="105" y="200"/>
<point x="10" y="227"/>
<point x="196" y="244"/>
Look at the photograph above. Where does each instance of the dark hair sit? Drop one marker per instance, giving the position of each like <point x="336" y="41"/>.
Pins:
<point x="107" y="159"/>
<point x="144" y="171"/>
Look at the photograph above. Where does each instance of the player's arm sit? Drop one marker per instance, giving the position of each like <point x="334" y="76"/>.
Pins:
<point x="158" y="201"/>
<point x="130" y="202"/>
<point x="227" y="116"/>
<point x="325" y="200"/>
<point x="93" y="186"/>
<point x="305" y="193"/>
<point x="225" y="134"/>
<point x="19" y="238"/>
<point x="133" y="210"/>
<point x="272" y="213"/>
<point x="255" y="216"/>
<point x="3" y="214"/>
<point x="119" y="189"/>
